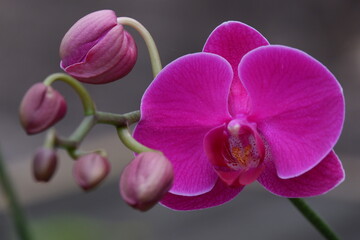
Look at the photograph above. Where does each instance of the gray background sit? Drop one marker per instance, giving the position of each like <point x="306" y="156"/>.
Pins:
<point x="30" y="33"/>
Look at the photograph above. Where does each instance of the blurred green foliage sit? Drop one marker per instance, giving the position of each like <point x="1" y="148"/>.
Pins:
<point x="81" y="228"/>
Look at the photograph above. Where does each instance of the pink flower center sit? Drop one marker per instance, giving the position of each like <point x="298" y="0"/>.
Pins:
<point x="241" y="153"/>
<point x="245" y="149"/>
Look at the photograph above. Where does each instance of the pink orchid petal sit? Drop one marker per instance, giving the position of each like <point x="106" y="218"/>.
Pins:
<point x="232" y="40"/>
<point x="220" y="194"/>
<point x="319" y="180"/>
<point x="191" y="91"/>
<point x="186" y="100"/>
<point x="297" y="103"/>
<point x="193" y="173"/>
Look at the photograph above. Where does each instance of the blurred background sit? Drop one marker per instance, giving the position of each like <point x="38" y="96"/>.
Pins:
<point x="30" y="34"/>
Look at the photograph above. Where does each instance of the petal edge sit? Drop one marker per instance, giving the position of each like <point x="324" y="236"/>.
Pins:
<point x="324" y="177"/>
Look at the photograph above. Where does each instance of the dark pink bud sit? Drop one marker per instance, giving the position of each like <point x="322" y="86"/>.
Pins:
<point x="146" y="180"/>
<point x="41" y="107"/>
<point x="97" y="49"/>
<point x="90" y="170"/>
<point x="44" y="164"/>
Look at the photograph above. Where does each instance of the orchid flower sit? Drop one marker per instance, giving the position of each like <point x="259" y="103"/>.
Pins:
<point x="240" y="111"/>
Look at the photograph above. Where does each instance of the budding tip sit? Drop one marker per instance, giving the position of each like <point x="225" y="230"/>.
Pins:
<point x="90" y="170"/>
<point x="44" y="164"/>
<point x="97" y="50"/>
<point x="146" y="180"/>
<point x="41" y="107"/>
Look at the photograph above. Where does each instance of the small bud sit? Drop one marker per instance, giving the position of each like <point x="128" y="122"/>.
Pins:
<point x="41" y="107"/>
<point x="89" y="170"/>
<point x="97" y="49"/>
<point x="146" y="180"/>
<point x="44" y="164"/>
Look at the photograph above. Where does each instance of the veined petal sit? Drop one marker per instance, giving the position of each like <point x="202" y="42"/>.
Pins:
<point x="193" y="173"/>
<point x="220" y="194"/>
<point x="319" y="180"/>
<point x="232" y="40"/>
<point x="191" y="91"/>
<point x="298" y="106"/>
<point x="186" y="100"/>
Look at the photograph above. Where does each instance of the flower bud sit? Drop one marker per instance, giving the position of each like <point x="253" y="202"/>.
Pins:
<point x="44" y="164"/>
<point x="146" y="180"/>
<point x="41" y="107"/>
<point x="89" y="170"/>
<point x="97" y="49"/>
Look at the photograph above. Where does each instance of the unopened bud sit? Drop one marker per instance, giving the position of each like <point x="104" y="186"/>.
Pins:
<point x="44" y="164"/>
<point x="41" y="107"/>
<point x="97" y="49"/>
<point x="146" y="180"/>
<point x="90" y="170"/>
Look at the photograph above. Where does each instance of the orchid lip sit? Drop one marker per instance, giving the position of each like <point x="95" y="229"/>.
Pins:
<point x="244" y="148"/>
<point x="236" y="151"/>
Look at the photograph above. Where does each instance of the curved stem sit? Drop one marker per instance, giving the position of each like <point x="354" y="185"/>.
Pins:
<point x="50" y="139"/>
<point x="315" y="220"/>
<point x="69" y="146"/>
<point x="118" y="119"/>
<point x="14" y="205"/>
<point x="85" y="126"/>
<point x="71" y="143"/>
<point x="130" y="142"/>
<point x="76" y="153"/>
<point x="149" y="41"/>
<point x="88" y="104"/>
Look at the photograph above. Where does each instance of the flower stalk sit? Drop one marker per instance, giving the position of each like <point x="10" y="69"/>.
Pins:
<point x="149" y="41"/>
<point x="83" y="129"/>
<point x="130" y="142"/>
<point x="88" y="104"/>
<point x="313" y="218"/>
<point x="92" y="117"/>
<point x="16" y="211"/>
<point x="118" y="119"/>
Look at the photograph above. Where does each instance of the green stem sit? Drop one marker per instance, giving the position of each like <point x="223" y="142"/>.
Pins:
<point x="83" y="129"/>
<point x="50" y="139"/>
<point x="71" y="143"/>
<point x="14" y="205"/>
<point x="130" y="142"/>
<point x="118" y="119"/>
<point x="88" y="104"/>
<point x="76" y="153"/>
<point x="69" y="146"/>
<point x="316" y="221"/>
<point x="149" y="41"/>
